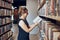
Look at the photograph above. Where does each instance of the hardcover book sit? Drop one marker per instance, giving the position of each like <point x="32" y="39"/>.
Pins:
<point x="2" y="3"/>
<point x="0" y="31"/>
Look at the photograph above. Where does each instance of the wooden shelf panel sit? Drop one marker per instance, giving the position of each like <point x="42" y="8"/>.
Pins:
<point x="56" y="30"/>
<point x="53" y="19"/>
<point x="9" y="37"/>
<point x="5" y="16"/>
<point x="5" y="24"/>
<point x="5" y="33"/>
<point x="5" y="8"/>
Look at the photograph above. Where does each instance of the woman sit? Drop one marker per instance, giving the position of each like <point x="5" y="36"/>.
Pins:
<point x="23" y="25"/>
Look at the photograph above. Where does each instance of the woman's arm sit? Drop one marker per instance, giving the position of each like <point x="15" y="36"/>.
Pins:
<point x="24" y="26"/>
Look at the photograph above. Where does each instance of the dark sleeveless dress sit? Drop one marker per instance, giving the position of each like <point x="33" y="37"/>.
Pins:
<point x="22" y="34"/>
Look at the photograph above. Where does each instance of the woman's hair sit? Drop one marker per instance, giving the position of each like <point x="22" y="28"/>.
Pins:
<point x="24" y="9"/>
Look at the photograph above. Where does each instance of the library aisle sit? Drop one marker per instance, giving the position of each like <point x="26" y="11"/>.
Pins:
<point x="47" y="10"/>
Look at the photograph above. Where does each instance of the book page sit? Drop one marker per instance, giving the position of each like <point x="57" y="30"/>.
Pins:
<point x="37" y="19"/>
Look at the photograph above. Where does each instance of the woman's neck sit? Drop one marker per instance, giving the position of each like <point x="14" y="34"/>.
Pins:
<point x="22" y="17"/>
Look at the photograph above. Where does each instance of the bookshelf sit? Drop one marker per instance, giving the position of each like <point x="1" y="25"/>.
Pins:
<point x="5" y="19"/>
<point x="51" y="20"/>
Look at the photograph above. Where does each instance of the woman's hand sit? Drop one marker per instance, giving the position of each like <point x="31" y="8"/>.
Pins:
<point x="36" y="23"/>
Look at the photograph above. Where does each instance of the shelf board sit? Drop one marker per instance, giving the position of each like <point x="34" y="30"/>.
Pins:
<point x="5" y="16"/>
<point x="9" y="37"/>
<point x="53" y="19"/>
<point x="56" y="30"/>
<point x="5" y="24"/>
<point x="5" y="33"/>
<point x="5" y="8"/>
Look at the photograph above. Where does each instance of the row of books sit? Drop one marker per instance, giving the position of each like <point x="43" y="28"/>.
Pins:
<point x="5" y="12"/>
<point x="5" y="7"/>
<point x="5" y="36"/>
<point x="5" y="4"/>
<point x="5" y="28"/>
<point x="5" y="21"/>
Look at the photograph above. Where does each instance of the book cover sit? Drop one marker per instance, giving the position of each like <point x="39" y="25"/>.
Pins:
<point x="1" y="12"/>
<point x="3" y="22"/>
<point x="5" y="4"/>
<point x="8" y="33"/>
<point x="3" y="37"/>
<point x="3" y="30"/>
<point x="2" y="3"/>
<point x="0" y="38"/>
<point x="9" y="0"/>
<point x="8" y="20"/>
<point x="8" y="12"/>
<point x="4" y="12"/>
<point x="11" y="6"/>
<point x="0" y="31"/>
<point x="7" y="27"/>
<point x="0" y="21"/>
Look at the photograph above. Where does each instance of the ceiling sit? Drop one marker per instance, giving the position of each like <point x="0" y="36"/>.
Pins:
<point x="17" y="3"/>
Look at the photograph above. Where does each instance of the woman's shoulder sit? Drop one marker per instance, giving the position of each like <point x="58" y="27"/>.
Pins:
<point x="21" y="20"/>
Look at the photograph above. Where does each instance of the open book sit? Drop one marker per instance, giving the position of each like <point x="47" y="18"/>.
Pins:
<point x="37" y="19"/>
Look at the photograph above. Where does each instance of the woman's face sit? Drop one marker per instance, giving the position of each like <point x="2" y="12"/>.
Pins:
<point x="25" y="13"/>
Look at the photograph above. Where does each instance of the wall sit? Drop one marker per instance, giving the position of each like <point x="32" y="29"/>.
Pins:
<point x="32" y="9"/>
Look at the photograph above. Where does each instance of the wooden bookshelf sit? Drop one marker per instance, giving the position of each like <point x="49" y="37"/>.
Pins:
<point x="5" y="19"/>
<point x="52" y="19"/>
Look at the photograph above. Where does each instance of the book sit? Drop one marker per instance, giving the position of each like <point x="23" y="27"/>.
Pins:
<point x="10" y="0"/>
<point x="11" y="6"/>
<point x="8" y="20"/>
<point x="10" y="38"/>
<point x="3" y="21"/>
<point x="3" y="37"/>
<point x="2" y="3"/>
<point x="3" y="30"/>
<point x="5" y="4"/>
<point x="7" y="27"/>
<point x="0" y="21"/>
<point x="8" y="5"/>
<point x="4" y="12"/>
<point x="0" y="31"/>
<point x="10" y="12"/>
<point x="8" y="33"/>
<point x="0" y="38"/>
<point x="37" y="19"/>
<point x="1" y="10"/>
